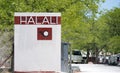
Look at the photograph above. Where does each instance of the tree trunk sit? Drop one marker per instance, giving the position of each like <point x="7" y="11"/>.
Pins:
<point x="96" y="54"/>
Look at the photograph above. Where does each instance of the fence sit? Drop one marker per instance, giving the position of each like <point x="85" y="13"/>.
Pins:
<point x="6" y="51"/>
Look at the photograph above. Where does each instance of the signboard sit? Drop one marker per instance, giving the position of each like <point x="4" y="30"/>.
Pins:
<point x="37" y="39"/>
<point x="44" y="33"/>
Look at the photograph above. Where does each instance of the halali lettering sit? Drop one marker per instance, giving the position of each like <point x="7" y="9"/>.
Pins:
<point x="37" y="20"/>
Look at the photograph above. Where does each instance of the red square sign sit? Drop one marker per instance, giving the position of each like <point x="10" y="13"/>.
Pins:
<point x="44" y="33"/>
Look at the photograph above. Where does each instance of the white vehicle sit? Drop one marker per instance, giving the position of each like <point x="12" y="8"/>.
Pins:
<point x="76" y="56"/>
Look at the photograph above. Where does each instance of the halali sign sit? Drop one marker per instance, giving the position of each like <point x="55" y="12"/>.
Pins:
<point x="52" y="20"/>
<point x="37" y="42"/>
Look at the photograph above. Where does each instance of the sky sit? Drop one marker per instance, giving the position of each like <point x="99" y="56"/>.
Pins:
<point x="110" y="4"/>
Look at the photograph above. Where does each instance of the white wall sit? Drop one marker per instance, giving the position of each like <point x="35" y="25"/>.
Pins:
<point x="37" y="55"/>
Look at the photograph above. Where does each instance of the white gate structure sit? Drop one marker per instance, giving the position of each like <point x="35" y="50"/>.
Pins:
<point x="37" y="42"/>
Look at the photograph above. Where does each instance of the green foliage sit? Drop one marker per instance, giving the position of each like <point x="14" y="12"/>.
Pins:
<point x="112" y="27"/>
<point x="113" y="22"/>
<point x="78" y="24"/>
<point x="114" y="44"/>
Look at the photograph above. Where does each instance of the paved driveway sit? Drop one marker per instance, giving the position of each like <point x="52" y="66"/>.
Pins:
<point x="97" y="68"/>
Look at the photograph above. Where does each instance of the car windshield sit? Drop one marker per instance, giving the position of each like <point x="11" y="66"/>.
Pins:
<point x="76" y="53"/>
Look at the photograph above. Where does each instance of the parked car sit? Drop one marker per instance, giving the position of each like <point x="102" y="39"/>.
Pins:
<point x="76" y="56"/>
<point x="100" y="59"/>
<point x="113" y="60"/>
<point x="105" y="59"/>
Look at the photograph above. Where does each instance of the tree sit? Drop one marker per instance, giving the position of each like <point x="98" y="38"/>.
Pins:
<point x="112" y="20"/>
<point x="74" y="14"/>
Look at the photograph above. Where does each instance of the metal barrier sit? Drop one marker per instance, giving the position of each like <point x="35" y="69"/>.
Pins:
<point x="6" y="50"/>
